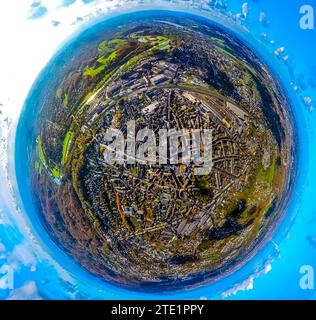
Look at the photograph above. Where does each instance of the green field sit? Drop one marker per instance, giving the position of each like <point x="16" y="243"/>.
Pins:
<point x="104" y="61"/>
<point x="105" y="47"/>
<point x="56" y="172"/>
<point x="66" y="143"/>
<point x="40" y="150"/>
<point x="268" y="175"/>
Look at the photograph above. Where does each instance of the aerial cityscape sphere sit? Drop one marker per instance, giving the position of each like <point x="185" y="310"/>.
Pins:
<point x="175" y="210"/>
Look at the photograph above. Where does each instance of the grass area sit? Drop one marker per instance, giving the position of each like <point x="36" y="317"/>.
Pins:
<point x="268" y="175"/>
<point x="102" y="47"/>
<point x="107" y="60"/>
<point x="92" y="72"/>
<point x="59" y="92"/>
<point x="66" y="100"/>
<point x="161" y="38"/>
<point x="202" y="184"/>
<point x="105" y="46"/>
<point x="253" y="131"/>
<point x="250" y="186"/>
<point x="224" y="51"/>
<point x="231" y="55"/>
<point x="217" y="256"/>
<point x="104" y="61"/>
<point x="154" y="39"/>
<point x="260" y="175"/>
<point x="132" y="62"/>
<point x="39" y="166"/>
<point x="251" y="69"/>
<point x="109" y="51"/>
<point x="40" y="150"/>
<point x="247" y="79"/>
<point x="134" y="171"/>
<point x="117" y="42"/>
<point x="218" y="41"/>
<point x="102" y="82"/>
<point x="66" y="143"/>
<point x="98" y="86"/>
<point x="205" y="245"/>
<point x="56" y="172"/>
<point x="163" y="45"/>
<point x="87" y="97"/>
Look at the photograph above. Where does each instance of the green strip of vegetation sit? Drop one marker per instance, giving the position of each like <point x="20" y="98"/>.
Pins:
<point x="66" y="143"/>
<point x="56" y="172"/>
<point x="66" y="100"/>
<point x="106" y="46"/>
<point x="117" y="42"/>
<point x="102" y="47"/>
<point x="268" y="175"/>
<point x="37" y="165"/>
<point x="92" y="72"/>
<point x="253" y="131"/>
<point x="105" y="61"/>
<point x="40" y="150"/>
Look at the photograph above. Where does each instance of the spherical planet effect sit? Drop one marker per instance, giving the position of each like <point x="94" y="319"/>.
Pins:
<point x="163" y="215"/>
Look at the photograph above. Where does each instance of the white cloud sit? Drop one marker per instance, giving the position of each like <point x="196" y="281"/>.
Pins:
<point x="22" y="255"/>
<point x="245" y="10"/>
<point x="28" y="291"/>
<point x="2" y="218"/>
<point x="31" y="43"/>
<point x="2" y="247"/>
<point x="247" y="284"/>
